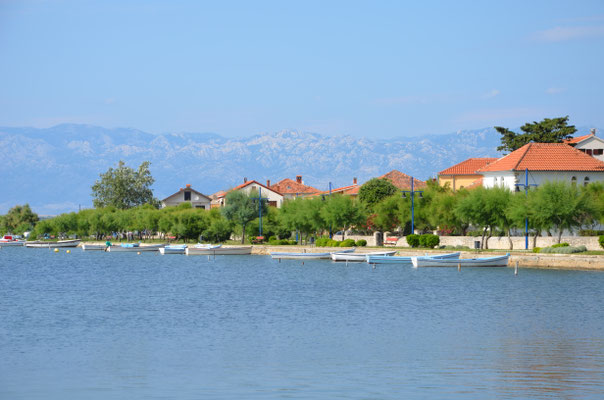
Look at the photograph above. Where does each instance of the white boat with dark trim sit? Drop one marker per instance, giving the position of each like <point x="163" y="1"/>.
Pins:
<point x="53" y="245"/>
<point x="306" y="256"/>
<point x="407" y="260"/>
<point x="218" y="250"/>
<point x="133" y="247"/>
<point x="10" y="240"/>
<point x="360" y="257"/>
<point x="496" y="261"/>
<point x="173" y="249"/>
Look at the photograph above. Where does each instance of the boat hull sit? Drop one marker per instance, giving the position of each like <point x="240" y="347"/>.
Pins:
<point x="219" y="251"/>
<point x="360" y="257"/>
<point x="15" y="243"/>
<point x="172" y="250"/>
<point x="407" y="260"/>
<point x="53" y="245"/>
<point x="95" y="247"/>
<point x="498" y="261"/>
<point x="305" y="256"/>
<point x="120" y="249"/>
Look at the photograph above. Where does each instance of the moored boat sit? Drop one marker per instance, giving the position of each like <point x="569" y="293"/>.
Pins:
<point x="133" y="247"/>
<point x="218" y="250"/>
<point x="53" y="245"/>
<point x="306" y="256"/>
<point x="407" y="260"/>
<point x="360" y="257"/>
<point x="96" y="247"/>
<point x="173" y="249"/>
<point x="10" y="240"/>
<point x="496" y="261"/>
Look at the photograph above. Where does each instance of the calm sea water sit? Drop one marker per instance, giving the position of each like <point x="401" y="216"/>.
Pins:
<point x="93" y="325"/>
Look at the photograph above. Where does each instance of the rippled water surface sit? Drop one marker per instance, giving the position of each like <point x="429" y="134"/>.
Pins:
<point x="93" y="325"/>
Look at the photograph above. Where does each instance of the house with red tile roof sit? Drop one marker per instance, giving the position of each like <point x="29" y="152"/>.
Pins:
<point x="187" y="195"/>
<point x="352" y="190"/>
<point x="291" y="189"/>
<point x="589" y="144"/>
<point x="402" y="181"/>
<point x="463" y="174"/>
<point x="544" y="162"/>
<point x="275" y="199"/>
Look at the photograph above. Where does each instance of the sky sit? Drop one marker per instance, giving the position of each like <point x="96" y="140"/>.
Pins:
<point x="366" y="69"/>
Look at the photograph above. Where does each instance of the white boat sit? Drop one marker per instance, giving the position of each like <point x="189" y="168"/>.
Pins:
<point x="133" y="248"/>
<point x="497" y="261"/>
<point x="306" y="256"/>
<point x="53" y="245"/>
<point x="206" y="246"/>
<point x="407" y="260"/>
<point x="173" y="249"/>
<point x="360" y="257"/>
<point x="218" y="250"/>
<point x="9" y="240"/>
<point x="96" y="247"/>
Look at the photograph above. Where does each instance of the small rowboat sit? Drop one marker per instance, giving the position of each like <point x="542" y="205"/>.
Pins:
<point x="218" y="250"/>
<point x="53" y="245"/>
<point x="497" y="261"/>
<point x="305" y="256"/>
<point x="133" y="247"/>
<point x="173" y="249"/>
<point x="96" y="247"/>
<point x="360" y="257"/>
<point x="407" y="260"/>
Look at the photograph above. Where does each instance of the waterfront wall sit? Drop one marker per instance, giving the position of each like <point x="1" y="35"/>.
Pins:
<point x="590" y="242"/>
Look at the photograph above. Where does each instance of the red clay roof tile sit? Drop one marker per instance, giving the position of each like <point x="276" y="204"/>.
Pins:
<point x="467" y="167"/>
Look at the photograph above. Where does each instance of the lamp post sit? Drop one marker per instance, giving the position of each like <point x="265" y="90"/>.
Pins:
<point x="526" y="186"/>
<point x="260" y="210"/>
<point x="330" y="233"/>
<point x="412" y="192"/>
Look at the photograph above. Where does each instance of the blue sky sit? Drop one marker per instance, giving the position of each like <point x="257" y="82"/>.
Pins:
<point x="380" y="68"/>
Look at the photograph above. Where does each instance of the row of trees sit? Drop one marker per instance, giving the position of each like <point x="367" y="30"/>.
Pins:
<point x="552" y="207"/>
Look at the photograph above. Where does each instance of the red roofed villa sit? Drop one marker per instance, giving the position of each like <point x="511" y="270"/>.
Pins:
<point x="589" y="144"/>
<point x="544" y="162"/>
<point x="291" y="189"/>
<point x="464" y="174"/>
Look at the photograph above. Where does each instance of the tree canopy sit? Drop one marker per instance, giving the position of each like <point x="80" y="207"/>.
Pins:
<point x="240" y="208"/>
<point x="375" y="190"/>
<point x="122" y="187"/>
<point x="553" y="130"/>
<point x="19" y="219"/>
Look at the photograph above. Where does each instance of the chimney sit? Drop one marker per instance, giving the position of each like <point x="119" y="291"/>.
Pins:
<point x="354" y="181"/>
<point x="593" y="131"/>
<point x="244" y="180"/>
<point x="268" y="183"/>
<point x="299" y="179"/>
<point x="188" y="186"/>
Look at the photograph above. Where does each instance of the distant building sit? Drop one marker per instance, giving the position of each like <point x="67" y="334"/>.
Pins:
<point x="545" y="162"/>
<point x="291" y="189"/>
<point x="464" y="174"/>
<point x="589" y="144"/>
<point x="275" y="199"/>
<point x="187" y="195"/>
<point x="402" y="181"/>
<point x="352" y="190"/>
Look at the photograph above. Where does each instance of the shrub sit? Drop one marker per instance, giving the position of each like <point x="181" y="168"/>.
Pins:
<point x="363" y="242"/>
<point x="555" y="246"/>
<point x="429" y="240"/>
<point x="347" y="243"/>
<point x="563" y="250"/>
<point x="601" y="240"/>
<point x="536" y="249"/>
<point x="322" y="242"/>
<point x="413" y="240"/>
<point x="333" y="243"/>
<point x="457" y="247"/>
<point x="272" y="238"/>
<point x="590" y="232"/>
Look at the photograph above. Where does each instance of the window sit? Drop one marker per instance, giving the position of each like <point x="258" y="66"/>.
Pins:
<point x="589" y="151"/>
<point x="598" y="152"/>
<point x="573" y="181"/>
<point x="586" y="181"/>
<point x="187" y="196"/>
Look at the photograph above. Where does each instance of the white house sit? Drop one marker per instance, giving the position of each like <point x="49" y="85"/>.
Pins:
<point x="544" y="162"/>
<point x="275" y="199"/>
<point x="188" y="194"/>
<point x="589" y="144"/>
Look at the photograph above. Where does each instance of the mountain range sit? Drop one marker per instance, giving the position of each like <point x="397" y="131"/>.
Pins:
<point x="53" y="169"/>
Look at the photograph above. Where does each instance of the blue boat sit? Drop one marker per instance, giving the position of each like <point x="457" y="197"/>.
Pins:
<point x="407" y="260"/>
<point x="306" y="256"/>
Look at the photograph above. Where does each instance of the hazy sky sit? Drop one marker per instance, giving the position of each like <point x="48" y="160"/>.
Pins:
<point x="374" y="68"/>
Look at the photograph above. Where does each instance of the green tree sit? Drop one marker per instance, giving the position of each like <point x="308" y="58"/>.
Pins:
<point x="563" y="205"/>
<point x="342" y="212"/>
<point x="553" y="130"/>
<point x="474" y="209"/>
<point x="391" y="213"/>
<point x="374" y="191"/>
<point x="219" y="229"/>
<point x="19" y="219"/>
<point x="240" y="208"/>
<point x="122" y="187"/>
